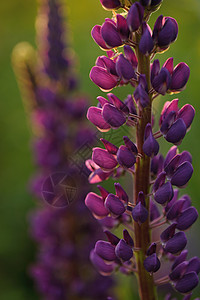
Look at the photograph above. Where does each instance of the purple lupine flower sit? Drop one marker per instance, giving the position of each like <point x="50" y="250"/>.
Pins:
<point x="156" y="205"/>
<point x="65" y="236"/>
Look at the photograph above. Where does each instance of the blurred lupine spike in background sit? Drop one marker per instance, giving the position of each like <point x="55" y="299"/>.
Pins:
<point x="63" y="269"/>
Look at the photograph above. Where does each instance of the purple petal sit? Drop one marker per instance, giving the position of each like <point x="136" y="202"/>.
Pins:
<point x="180" y="77"/>
<point x="99" y="263"/>
<point x="124" y="68"/>
<point x="114" y="205"/>
<point x="104" y="192"/>
<point x="139" y="213"/>
<point x="110" y="4"/>
<point x="130" y="145"/>
<point x="187" y="218"/>
<point x="177" y="243"/>
<point x="95" y="204"/>
<point x="128" y="239"/>
<point x="146" y="42"/>
<point x="154" y="211"/>
<point x="160" y="180"/>
<point x="94" y="115"/>
<point x="176" y="132"/>
<point x="164" y="193"/>
<point x="104" y="159"/>
<point x="168" y="233"/>
<point x="122" y="27"/>
<point x="130" y="55"/>
<point x="120" y="192"/>
<point x="182" y="257"/>
<point x="151" y="249"/>
<point x="187" y="283"/>
<point x="123" y="251"/>
<point x="170" y="154"/>
<point x="179" y="271"/>
<point x="118" y="103"/>
<point x="162" y="81"/>
<point x="96" y="35"/>
<point x="110" y="35"/>
<point x="182" y="175"/>
<point x="135" y="16"/>
<point x="113" y="239"/>
<point x="102" y="78"/>
<point x="152" y="263"/>
<point x="186" y="113"/>
<point x="112" y="149"/>
<point x="169" y="65"/>
<point x="168" y="33"/>
<point x="105" y="250"/>
<point x="125" y="157"/>
<point x="193" y="265"/>
<point x="141" y="96"/>
<point x="113" y="116"/>
<point x="150" y="146"/>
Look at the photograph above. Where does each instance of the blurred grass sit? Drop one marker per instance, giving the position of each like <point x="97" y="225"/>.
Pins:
<point x="17" y="24"/>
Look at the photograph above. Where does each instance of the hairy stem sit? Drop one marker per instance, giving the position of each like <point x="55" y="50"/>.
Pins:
<point x="147" y="289"/>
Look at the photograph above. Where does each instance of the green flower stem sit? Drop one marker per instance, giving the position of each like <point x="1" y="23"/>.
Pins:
<point x="147" y="290"/>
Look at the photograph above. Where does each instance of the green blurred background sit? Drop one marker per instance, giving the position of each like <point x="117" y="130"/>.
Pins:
<point x="17" y="23"/>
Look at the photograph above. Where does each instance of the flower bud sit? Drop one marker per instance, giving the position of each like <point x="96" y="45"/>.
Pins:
<point x="114" y="205"/>
<point x="113" y="239"/>
<point x="125" y="157"/>
<point x="128" y="239"/>
<point x="187" y="283"/>
<point x="150" y="146"/>
<point x="113" y="116"/>
<point x="152" y="263"/>
<point x="176" y="244"/>
<point x="105" y="250"/>
<point x="179" y="259"/>
<point x="123" y="250"/>
<point x="139" y="212"/>
<point x="182" y="174"/>
<point x="120" y="192"/>
<point x="97" y="37"/>
<point x="168" y="233"/>
<point x="110" y="35"/>
<point x="112" y="149"/>
<point x="187" y="218"/>
<point x="146" y="42"/>
<point x="124" y="68"/>
<point x="135" y="16"/>
<point x="164" y="193"/>
<point x="180" y="77"/>
<point x="110" y="4"/>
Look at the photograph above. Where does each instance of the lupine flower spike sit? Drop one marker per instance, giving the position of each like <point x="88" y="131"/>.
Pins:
<point x="155" y="220"/>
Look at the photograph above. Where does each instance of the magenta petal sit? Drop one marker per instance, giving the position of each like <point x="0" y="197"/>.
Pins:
<point x="104" y="159"/>
<point x="96" y="35"/>
<point x="110" y="35"/>
<point x="169" y="65"/>
<point x="118" y="103"/>
<point x="112" y="149"/>
<point x="102" y="78"/>
<point x="113" y="116"/>
<point x="186" y="113"/>
<point x="99" y="175"/>
<point x="94" y="115"/>
<point x="120" y="192"/>
<point x="122" y="27"/>
<point x="95" y="204"/>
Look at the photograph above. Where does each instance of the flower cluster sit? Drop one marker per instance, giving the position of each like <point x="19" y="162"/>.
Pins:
<point x="66" y="235"/>
<point x="156" y="219"/>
